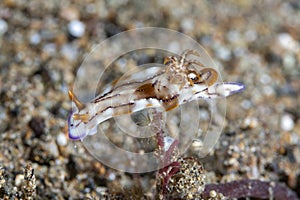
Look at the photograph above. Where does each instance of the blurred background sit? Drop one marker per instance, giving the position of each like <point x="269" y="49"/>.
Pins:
<point x="42" y="44"/>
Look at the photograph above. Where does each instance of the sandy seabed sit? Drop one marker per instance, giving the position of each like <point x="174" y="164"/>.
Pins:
<point x="253" y="42"/>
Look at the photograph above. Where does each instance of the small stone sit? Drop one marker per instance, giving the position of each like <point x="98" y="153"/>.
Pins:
<point x="19" y="179"/>
<point x="265" y="79"/>
<point x="2" y="180"/>
<point x="112" y="176"/>
<point x="43" y="153"/>
<point x="61" y="139"/>
<point x="213" y="193"/>
<point x="197" y="145"/>
<point x="286" y="122"/>
<point x="223" y="53"/>
<point x="190" y="196"/>
<point x="50" y="49"/>
<point x="254" y="172"/>
<point x="69" y="13"/>
<point x="289" y="61"/>
<point x="250" y="122"/>
<point x="286" y="41"/>
<point x="250" y="35"/>
<point x="296" y="152"/>
<point x="69" y="51"/>
<point x="187" y="24"/>
<point x="268" y="90"/>
<point x="52" y="149"/>
<point x="3" y="27"/>
<point x="232" y="162"/>
<point x="37" y="124"/>
<point x="246" y="104"/>
<point x="76" y="28"/>
<point x="35" y="39"/>
<point x="233" y="36"/>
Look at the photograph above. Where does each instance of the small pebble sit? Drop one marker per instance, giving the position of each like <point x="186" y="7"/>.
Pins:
<point x="37" y="124"/>
<point x="296" y="153"/>
<point x="61" y="139"/>
<point x="250" y="35"/>
<point x="250" y="122"/>
<point x="50" y="49"/>
<point x="289" y="61"/>
<point x="246" y="104"/>
<point x="112" y="176"/>
<point x="35" y="39"/>
<point x="76" y="28"/>
<point x="286" y="41"/>
<point x="19" y="179"/>
<point x="239" y="51"/>
<point x="3" y="27"/>
<point x="254" y="172"/>
<point x="265" y="79"/>
<point x="187" y="24"/>
<point x="286" y="122"/>
<point x="69" y="51"/>
<point x="197" y="146"/>
<point x="268" y="90"/>
<point x="69" y="13"/>
<point x="2" y="178"/>
<point x="223" y="53"/>
<point x="213" y="193"/>
<point x="233" y="36"/>
<point x="52" y="149"/>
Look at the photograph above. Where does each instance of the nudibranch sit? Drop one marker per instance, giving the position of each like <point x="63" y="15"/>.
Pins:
<point x="168" y="87"/>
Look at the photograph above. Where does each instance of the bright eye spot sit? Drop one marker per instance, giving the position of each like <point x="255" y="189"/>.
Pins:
<point x="193" y="76"/>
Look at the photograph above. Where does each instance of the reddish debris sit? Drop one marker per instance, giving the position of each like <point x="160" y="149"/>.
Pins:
<point x="252" y="188"/>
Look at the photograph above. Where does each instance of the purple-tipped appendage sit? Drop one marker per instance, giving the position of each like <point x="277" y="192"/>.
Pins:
<point x="73" y="134"/>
